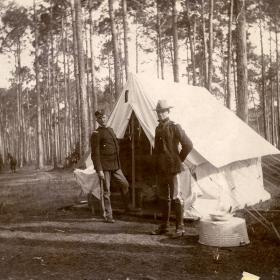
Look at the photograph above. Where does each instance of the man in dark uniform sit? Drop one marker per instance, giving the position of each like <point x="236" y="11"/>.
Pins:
<point x="169" y="163"/>
<point x="106" y="161"/>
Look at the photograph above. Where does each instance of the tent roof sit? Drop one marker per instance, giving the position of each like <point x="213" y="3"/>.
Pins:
<point x="218" y="135"/>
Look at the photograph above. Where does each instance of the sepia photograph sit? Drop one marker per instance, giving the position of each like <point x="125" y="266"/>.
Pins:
<point x="139" y="140"/>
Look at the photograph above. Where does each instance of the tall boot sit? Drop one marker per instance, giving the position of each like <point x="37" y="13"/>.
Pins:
<point x="179" y="212"/>
<point x="163" y="228"/>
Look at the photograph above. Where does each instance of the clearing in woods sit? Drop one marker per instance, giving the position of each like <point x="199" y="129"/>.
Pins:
<point x="42" y="239"/>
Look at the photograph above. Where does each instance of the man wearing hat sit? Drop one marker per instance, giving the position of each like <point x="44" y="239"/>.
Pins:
<point x="106" y="161"/>
<point x="169" y="163"/>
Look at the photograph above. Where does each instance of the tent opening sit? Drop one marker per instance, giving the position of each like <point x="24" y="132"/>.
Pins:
<point x="145" y="178"/>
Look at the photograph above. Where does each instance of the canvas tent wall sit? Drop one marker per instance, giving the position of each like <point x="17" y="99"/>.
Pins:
<point x="226" y="150"/>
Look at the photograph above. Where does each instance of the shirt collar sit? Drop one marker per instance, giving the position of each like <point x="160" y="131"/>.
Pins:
<point x="164" y="121"/>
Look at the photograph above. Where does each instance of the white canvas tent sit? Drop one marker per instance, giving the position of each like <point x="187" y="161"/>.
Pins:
<point x="226" y="150"/>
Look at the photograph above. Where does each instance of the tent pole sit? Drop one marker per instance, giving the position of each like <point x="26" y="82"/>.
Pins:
<point x="133" y="160"/>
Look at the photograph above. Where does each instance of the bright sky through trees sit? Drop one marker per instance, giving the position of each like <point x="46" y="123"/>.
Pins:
<point x="7" y="62"/>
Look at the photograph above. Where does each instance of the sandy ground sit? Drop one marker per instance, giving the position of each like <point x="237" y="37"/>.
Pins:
<point x="69" y="243"/>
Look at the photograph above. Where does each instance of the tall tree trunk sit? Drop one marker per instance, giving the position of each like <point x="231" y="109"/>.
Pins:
<point x="263" y="97"/>
<point x="39" y="142"/>
<point x="229" y="60"/>
<point x="277" y="86"/>
<point x="50" y="135"/>
<point x="210" y="49"/>
<point x="81" y="61"/>
<point x="160" y="50"/>
<point x="187" y="67"/>
<point x="125" y="37"/>
<point x="28" y="135"/>
<point x="17" y="132"/>
<point x="93" y="91"/>
<point x="175" y="42"/>
<point x="24" y="128"/>
<point x="241" y="52"/>
<point x="271" y="91"/>
<point x="44" y="129"/>
<point x="120" y="55"/>
<point x="65" y="91"/>
<point x="157" y="55"/>
<point x="223" y="68"/>
<point x="191" y="42"/>
<point x="89" y="96"/>
<point x="58" y="127"/>
<point x="171" y="53"/>
<point x="22" y="159"/>
<point x="111" y="98"/>
<point x="59" y="145"/>
<point x="157" y="43"/>
<point x="205" y="65"/>
<point x="78" y="137"/>
<point x="194" y="47"/>
<point x="117" y="66"/>
<point x="136" y="47"/>
<point x="69" y="100"/>
<point x="49" y="100"/>
<point x="2" y="131"/>
<point x="54" y="150"/>
<point x="18" y="153"/>
<point x="256" y="112"/>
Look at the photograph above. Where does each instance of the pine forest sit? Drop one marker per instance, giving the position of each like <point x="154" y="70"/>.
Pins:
<point x="72" y="57"/>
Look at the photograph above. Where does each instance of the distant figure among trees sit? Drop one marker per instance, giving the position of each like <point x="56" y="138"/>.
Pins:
<point x="12" y="162"/>
<point x="73" y="158"/>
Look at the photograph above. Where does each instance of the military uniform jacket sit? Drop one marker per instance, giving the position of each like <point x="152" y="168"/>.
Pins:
<point x="105" y="149"/>
<point x="168" y="158"/>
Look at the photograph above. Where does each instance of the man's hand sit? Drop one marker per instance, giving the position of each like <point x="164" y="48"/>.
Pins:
<point x="191" y="166"/>
<point x="101" y="175"/>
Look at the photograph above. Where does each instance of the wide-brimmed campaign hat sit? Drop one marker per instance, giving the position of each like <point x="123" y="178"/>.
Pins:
<point x="162" y="105"/>
<point x="99" y="113"/>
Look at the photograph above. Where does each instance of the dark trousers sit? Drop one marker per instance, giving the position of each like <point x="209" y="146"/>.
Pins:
<point x="122" y="183"/>
<point x="169" y="188"/>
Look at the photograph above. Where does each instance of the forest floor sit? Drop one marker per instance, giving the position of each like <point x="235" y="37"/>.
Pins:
<point x="68" y="243"/>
